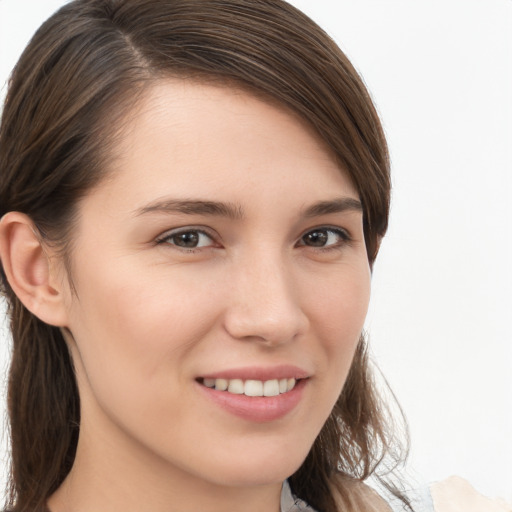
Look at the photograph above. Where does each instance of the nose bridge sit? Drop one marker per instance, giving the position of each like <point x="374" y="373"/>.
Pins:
<point x="265" y="302"/>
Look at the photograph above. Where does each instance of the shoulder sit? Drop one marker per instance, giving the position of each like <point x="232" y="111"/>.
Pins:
<point x="455" y="494"/>
<point x="355" y="494"/>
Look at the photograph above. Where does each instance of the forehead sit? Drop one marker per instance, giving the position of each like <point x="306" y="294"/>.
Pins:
<point x="210" y="139"/>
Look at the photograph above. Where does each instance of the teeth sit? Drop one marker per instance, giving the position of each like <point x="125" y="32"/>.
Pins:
<point x="272" y="387"/>
<point x="253" y="388"/>
<point x="236" y="386"/>
<point x="221" y="384"/>
<point x="209" y="383"/>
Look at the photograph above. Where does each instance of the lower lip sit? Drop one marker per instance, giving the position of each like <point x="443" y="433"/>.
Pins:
<point x="257" y="409"/>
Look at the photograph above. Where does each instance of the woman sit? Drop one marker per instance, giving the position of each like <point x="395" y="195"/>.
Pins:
<point x="192" y="196"/>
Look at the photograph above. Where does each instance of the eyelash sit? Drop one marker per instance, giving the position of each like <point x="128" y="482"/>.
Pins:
<point x="343" y="235"/>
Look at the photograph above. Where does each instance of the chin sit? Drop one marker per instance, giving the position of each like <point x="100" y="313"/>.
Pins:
<point x="255" y="469"/>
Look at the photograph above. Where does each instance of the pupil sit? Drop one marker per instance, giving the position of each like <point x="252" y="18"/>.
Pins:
<point x="317" y="238"/>
<point x="190" y="239"/>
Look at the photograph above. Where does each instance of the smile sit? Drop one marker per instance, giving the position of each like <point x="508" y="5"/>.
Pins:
<point x="250" y="387"/>
<point x="256" y="394"/>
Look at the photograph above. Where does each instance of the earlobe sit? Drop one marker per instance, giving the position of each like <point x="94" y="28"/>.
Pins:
<point x="28" y="269"/>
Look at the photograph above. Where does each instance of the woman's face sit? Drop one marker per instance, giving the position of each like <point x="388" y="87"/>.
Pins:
<point x="225" y="249"/>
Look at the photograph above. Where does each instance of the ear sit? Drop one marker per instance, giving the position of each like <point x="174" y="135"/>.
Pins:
<point x="31" y="273"/>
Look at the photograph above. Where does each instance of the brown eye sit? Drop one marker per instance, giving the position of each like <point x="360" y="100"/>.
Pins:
<point x="191" y="239"/>
<point x="316" y="238"/>
<point x="324" y="237"/>
<point x="188" y="240"/>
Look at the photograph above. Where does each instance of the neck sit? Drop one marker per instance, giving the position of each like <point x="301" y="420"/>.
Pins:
<point x="116" y="475"/>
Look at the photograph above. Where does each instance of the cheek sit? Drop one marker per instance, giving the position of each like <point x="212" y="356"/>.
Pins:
<point x="337" y="315"/>
<point x="339" y="308"/>
<point x="133" y="328"/>
<point x="136" y="338"/>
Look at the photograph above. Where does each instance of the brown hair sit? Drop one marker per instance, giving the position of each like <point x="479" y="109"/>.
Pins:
<point x="84" y="68"/>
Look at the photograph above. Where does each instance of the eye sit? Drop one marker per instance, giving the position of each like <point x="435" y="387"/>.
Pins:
<point x="324" y="238"/>
<point x="187" y="239"/>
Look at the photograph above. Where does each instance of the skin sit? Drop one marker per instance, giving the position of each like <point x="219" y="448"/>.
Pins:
<point x="148" y="317"/>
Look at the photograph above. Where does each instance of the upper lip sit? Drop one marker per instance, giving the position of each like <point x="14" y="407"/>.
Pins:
<point x="262" y="373"/>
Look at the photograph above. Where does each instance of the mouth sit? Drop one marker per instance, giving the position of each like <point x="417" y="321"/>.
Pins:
<point x="251" y="387"/>
<point x="256" y="394"/>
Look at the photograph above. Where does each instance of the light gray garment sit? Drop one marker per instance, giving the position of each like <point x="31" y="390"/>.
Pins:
<point x="420" y="498"/>
<point x="289" y="503"/>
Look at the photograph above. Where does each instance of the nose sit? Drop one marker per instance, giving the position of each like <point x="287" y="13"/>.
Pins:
<point x="265" y="302"/>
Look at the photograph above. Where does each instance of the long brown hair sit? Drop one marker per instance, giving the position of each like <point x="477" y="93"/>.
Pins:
<point x="86" y="67"/>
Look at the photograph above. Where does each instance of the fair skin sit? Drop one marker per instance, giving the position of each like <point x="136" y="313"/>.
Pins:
<point x="226" y="242"/>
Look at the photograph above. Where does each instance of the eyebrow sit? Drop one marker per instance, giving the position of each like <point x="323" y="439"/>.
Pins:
<point x="235" y="212"/>
<point x="194" y="207"/>
<point x="338" y="205"/>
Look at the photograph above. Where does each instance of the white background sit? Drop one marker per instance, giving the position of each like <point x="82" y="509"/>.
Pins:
<point x="440" y="72"/>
